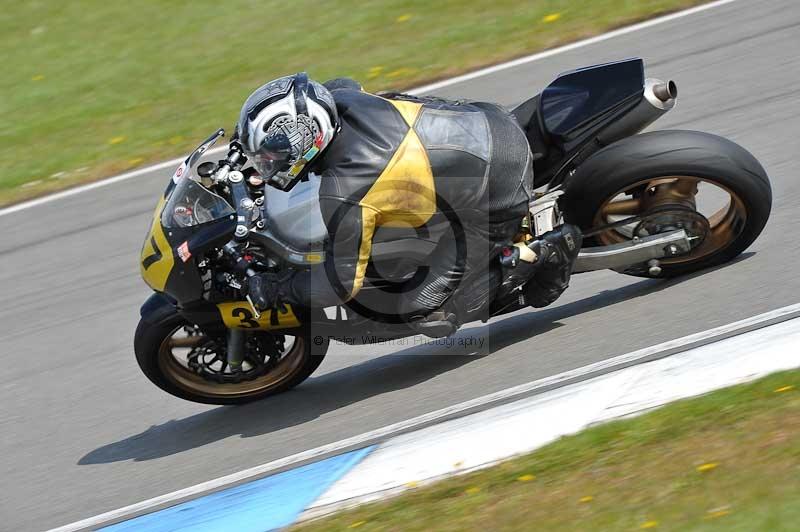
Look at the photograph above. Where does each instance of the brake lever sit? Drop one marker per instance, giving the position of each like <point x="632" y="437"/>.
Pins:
<point x="255" y="310"/>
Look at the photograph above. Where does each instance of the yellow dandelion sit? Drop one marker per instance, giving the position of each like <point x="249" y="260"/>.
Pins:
<point x="412" y="484"/>
<point x="587" y="498"/>
<point x="707" y="467"/>
<point x="552" y="17"/>
<point x="649" y="524"/>
<point x="116" y="140"/>
<point x="374" y="72"/>
<point x="356" y="524"/>
<point x="404" y="18"/>
<point x="472" y="490"/>
<point x="784" y="389"/>
<point x="135" y="161"/>
<point x="716" y="513"/>
<point x="400" y="72"/>
<point x="37" y="77"/>
<point x="526" y="478"/>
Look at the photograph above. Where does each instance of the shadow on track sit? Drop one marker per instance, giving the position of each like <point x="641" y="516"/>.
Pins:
<point x="314" y="398"/>
<point x="354" y="384"/>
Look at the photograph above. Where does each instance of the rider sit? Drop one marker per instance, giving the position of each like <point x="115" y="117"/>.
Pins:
<point x="399" y="161"/>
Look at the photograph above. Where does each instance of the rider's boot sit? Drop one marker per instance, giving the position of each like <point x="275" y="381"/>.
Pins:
<point x="556" y="251"/>
<point x="437" y="324"/>
<point x="545" y="264"/>
<point x="428" y="309"/>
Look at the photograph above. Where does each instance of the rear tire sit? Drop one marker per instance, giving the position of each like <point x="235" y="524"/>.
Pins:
<point x="657" y="154"/>
<point x="158" y="327"/>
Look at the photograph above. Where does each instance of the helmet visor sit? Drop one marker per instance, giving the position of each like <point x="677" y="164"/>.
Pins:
<point x="273" y="156"/>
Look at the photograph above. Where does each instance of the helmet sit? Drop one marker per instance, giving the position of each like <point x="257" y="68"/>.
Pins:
<point x="286" y="124"/>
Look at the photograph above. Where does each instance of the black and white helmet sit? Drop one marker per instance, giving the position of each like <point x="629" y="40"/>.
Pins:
<point x="286" y="124"/>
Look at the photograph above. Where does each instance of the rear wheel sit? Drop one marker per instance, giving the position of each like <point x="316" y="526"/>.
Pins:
<point x="663" y="181"/>
<point x="185" y="362"/>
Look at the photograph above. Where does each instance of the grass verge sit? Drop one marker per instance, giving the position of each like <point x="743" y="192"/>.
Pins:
<point x="729" y="460"/>
<point x="92" y="87"/>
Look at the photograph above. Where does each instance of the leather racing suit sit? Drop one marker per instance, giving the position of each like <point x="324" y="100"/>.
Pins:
<point x="458" y="174"/>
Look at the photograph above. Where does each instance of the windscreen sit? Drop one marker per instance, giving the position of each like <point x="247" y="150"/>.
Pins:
<point x="192" y="204"/>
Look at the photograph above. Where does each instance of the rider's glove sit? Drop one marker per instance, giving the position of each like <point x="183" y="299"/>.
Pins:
<point x="267" y="291"/>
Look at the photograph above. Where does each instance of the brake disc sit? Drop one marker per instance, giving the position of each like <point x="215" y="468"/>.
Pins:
<point x="263" y="353"/>
<point x="672" y="218"/>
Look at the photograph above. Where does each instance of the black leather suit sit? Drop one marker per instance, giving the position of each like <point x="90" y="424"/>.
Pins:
<point x="424" y="164"/>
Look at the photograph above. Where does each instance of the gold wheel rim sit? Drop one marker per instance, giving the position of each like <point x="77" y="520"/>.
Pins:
<point x="183" y="377"/>
<point x="725" y="224"/>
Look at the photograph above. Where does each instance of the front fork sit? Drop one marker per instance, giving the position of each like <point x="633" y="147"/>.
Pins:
<point x="236" y="347"/>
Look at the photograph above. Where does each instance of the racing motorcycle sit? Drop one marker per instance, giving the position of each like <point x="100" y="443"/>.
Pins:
<point x="658" y="204"/>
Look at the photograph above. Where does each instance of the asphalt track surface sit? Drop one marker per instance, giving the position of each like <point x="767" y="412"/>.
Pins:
<point x="83" y="432"/>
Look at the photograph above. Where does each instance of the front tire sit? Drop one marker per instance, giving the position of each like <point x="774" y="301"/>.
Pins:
<point x="634" y="169"/>
<point x="154" y="343"/>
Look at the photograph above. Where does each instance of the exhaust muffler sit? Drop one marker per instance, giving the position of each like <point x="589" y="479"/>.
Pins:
<point x="658" y="98"/>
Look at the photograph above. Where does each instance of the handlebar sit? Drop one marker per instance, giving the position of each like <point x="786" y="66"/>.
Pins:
<point x="233" y="161"/>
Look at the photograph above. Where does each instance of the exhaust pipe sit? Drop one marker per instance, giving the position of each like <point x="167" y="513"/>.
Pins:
<point x="665" y="91"/>
<point x="659" y="97"/>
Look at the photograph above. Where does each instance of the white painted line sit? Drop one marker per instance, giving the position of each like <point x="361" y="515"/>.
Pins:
<point x="569" y="47"/>
<point x="502" y="432"/>
<point x="547" y="383"/>
<point x="419" y="90"/>
<point x="172" y="164"/>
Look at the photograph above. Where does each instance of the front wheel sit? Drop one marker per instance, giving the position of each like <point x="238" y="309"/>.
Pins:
<point x="185" y="362"/>
<point x="663" y="181"/>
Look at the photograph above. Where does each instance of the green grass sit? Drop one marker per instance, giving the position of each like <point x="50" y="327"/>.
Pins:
<point x="729" y="460"/>
<point x="94" y="87"/>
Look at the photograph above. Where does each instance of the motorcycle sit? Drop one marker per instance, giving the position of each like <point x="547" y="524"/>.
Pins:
<point x="657" y="204"/>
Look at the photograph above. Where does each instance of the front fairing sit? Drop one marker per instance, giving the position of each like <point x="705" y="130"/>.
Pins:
<point x="188" y="221"/>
